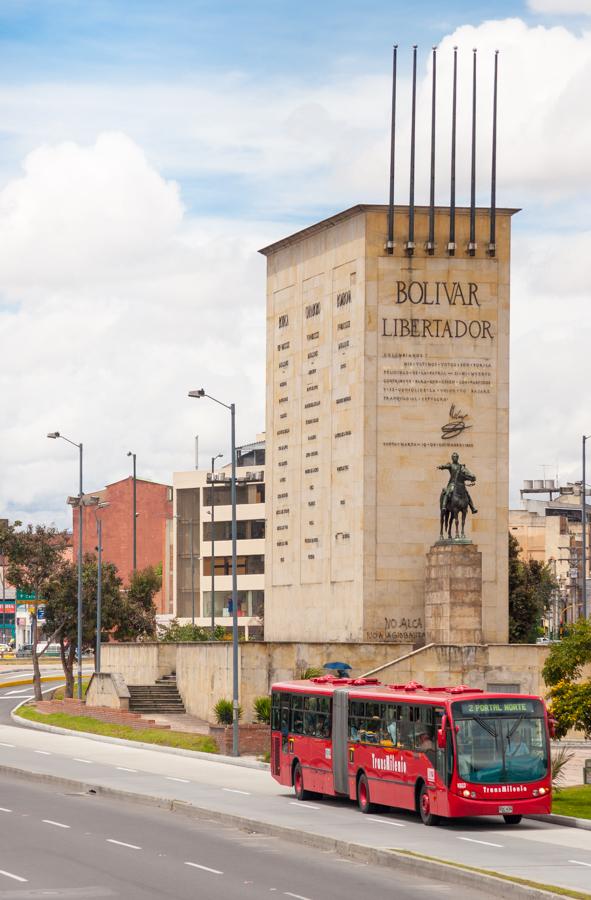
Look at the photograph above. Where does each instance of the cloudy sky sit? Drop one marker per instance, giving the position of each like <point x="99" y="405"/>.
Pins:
<point x="148" y="149"/>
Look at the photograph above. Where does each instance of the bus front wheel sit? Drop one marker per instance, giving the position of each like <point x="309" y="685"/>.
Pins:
<point x="363" y="801"/>
<point x="512" y="820"/>
<point x="427" y="817"/>
<point x="298" y="784"/>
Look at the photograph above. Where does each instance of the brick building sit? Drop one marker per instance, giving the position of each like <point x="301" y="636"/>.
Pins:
<point x="154" y="515"/>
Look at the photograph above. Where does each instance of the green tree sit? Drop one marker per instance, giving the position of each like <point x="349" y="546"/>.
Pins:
<point x="177" y="633"/>
<point x="137" y="618"/>
<point x="531" y="585"/>
<point x="570" y="697"/>
<point x="35" y="555"/>
<point x="62" y="609"/>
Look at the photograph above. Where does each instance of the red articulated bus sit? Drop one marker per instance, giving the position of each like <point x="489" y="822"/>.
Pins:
<point x="444" y="752"/>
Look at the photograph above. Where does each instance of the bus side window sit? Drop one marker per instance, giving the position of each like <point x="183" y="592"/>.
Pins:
<point x="406" y="738"/>
<point x="297" y="714"/>
<point x="391" y="718"/>
<point x="275" y="714"/>
<point x="356" y="719"/>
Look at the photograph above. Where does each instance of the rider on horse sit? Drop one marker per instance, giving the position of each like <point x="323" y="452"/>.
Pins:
<point x="455" y="467"/>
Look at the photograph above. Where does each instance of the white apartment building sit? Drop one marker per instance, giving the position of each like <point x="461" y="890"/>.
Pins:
<point x="201" y="532"/>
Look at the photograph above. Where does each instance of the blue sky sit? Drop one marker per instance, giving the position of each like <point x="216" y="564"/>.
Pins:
<point x="148" y="149"/>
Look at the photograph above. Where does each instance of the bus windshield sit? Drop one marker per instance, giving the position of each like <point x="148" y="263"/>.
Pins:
<point x="501" y="741"/>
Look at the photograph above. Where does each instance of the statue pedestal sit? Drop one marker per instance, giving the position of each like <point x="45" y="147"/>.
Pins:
<point x="453" y="594"/>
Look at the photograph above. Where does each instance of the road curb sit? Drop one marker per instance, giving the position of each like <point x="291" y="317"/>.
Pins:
<point x="104" y="739"/>
<point x="439" y="870"/>
<point x="567" y="821"/>
<point x="17" y="683"/>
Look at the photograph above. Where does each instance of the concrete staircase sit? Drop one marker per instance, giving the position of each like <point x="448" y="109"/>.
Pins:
<point x="162" y="698"/>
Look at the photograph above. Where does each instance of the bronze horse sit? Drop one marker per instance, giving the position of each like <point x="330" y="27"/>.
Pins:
<point x="457" y="502"/>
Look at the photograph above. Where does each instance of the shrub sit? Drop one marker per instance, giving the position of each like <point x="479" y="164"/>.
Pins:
<point x="224" y="712"/>
<point x="262" y="710"/>
<point x="312" y="672"/>
<point x="559" y="761"/>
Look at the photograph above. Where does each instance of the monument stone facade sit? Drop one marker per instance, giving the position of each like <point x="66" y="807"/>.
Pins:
<point x="379" y="367"/>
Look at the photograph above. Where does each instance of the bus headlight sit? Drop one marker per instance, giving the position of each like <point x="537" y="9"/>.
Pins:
<point x="542" y="791"/>
<point x="466" y="793"/>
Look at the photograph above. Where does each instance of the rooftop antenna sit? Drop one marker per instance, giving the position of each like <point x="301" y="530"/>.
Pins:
<point x="431" y="241"/>
<point x="472" y="243"/>
<point x="390" y="242"/>
<point x="451" y="247"/>
<point x="492" y="246"/>
<point x="410" y="244"/>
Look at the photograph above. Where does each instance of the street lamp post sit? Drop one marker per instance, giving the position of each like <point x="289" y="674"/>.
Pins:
<point x="584" y="527"/>
<point x="213" y="459"/>
<point x="235" y="702"/>
<point x="130" y="453"/>
<point x="192" y="551"/>
<point x="54" y="435"/>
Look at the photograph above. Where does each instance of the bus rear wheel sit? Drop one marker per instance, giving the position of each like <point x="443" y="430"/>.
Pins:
<point x="363" y="801"/>
<point x="298" y="784"/>
<point x="427" y="817"/>
<point x="512" y="820"/>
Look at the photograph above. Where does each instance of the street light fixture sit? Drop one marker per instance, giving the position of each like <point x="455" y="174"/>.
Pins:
<point x="132" y="454"/>
<point x="197" y="394"/>
<point x="54" y="435"/>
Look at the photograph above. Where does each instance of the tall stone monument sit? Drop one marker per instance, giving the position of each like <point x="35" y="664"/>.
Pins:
<point x="387" y="346"/>
<point x="378" y="366"/>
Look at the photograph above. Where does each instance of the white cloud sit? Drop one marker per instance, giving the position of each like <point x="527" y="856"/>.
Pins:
<point x="115" y="305"/>
<point x="561" y="7"/>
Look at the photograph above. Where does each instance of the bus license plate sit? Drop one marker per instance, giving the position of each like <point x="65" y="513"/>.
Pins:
<point x="504" y="810"/>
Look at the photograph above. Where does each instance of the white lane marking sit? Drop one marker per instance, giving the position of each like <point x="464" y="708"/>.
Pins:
<point x="57" y="824"/>
<point x="10" y="875"/>
<point x="17" y="693"/>
<point x="303" y="806"/>
<point x="2" y="744"/>
<point x="42" y="752"/>
<point x="296" y="896"/>
<point x="386" y="822"/>
<point x="182" y="780"/>
<point x="474" y="841"/>
<point x="205" y="868"/>
<point x="124" y="769"/>
<point x="577" y="862"/>
<point x="78" y="759"/>
<point x="123" y="844"/>
<point x="4" y="809"/>
<point x="236" y="791"/>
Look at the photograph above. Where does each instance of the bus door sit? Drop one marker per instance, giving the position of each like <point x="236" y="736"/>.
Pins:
<point x="444" y="762"/>
<point x="340" y="729"/>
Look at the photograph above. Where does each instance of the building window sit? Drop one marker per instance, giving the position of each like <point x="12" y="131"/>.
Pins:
<point x="250" y="603"/>
<point x="245" y="494"/>
<point x="246" y="530"/>
<point x="245" y="565"/>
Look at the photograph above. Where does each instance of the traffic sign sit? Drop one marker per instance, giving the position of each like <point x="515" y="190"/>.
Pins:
<point x="25" y="595"/>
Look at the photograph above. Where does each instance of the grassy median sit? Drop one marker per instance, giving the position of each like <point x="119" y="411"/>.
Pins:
<point x="162" y="738"/>
<point x="573" y="801"/>
<point x="551" y="888"/>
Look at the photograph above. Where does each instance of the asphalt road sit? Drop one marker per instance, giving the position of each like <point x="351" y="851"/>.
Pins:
<point x="534" y="850"/>
<point x="69" y="845"/>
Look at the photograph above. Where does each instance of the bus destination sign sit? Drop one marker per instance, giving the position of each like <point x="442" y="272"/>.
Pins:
<point x="498" y="707"/>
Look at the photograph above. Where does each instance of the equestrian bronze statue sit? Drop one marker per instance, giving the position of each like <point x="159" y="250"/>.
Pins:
<point x="455" y="499"/>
